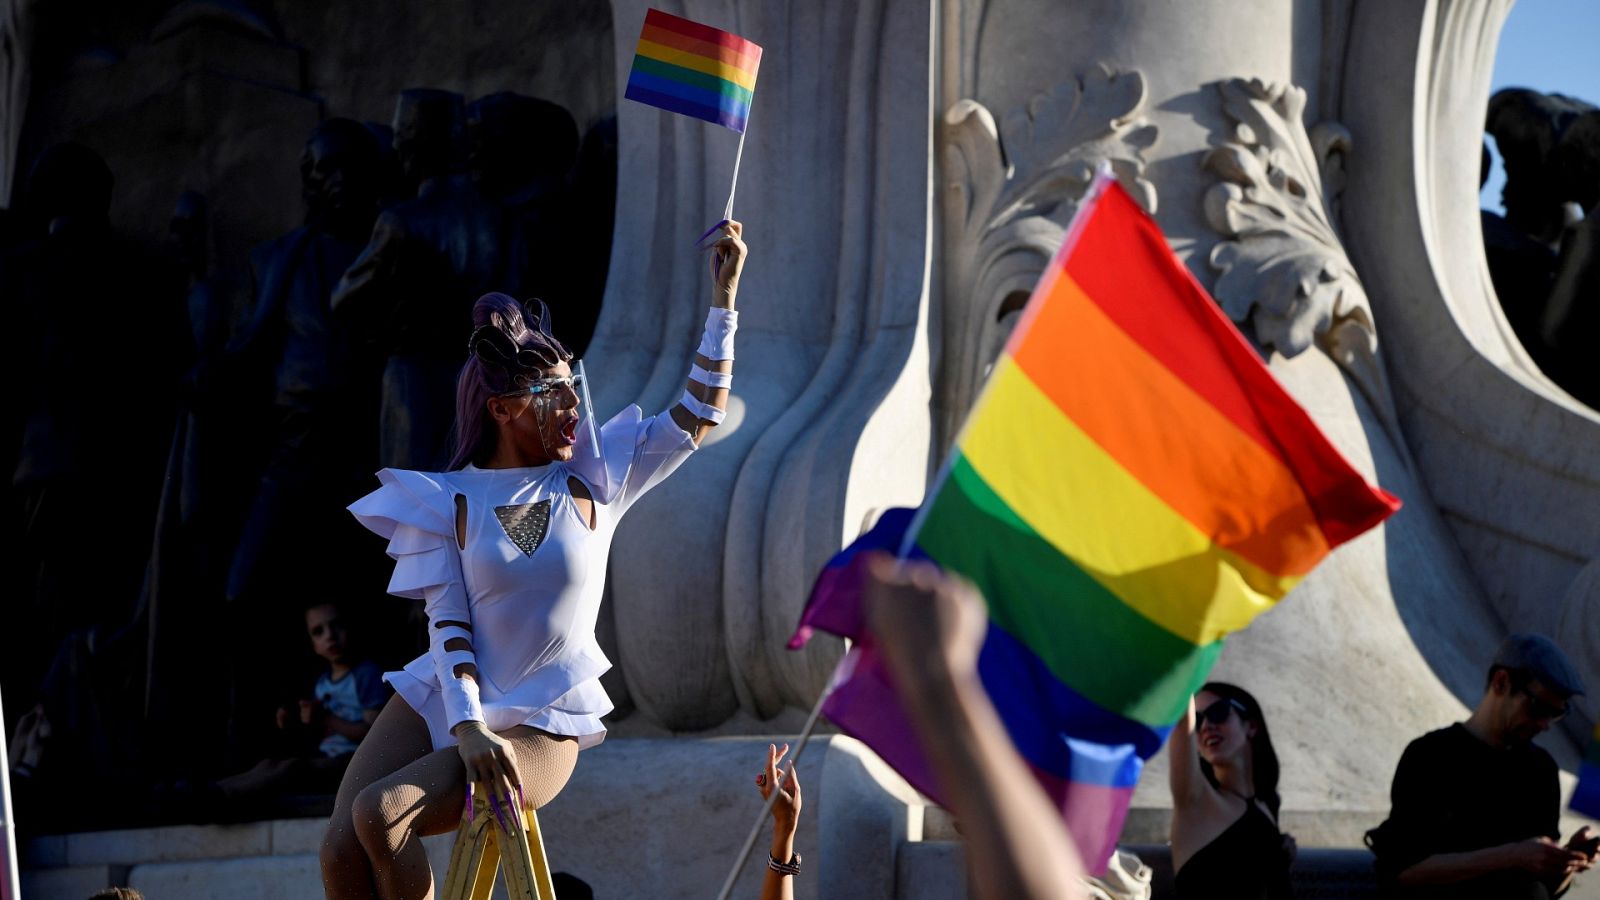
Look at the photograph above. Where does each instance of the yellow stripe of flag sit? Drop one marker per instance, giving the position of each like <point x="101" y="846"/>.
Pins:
<point x="1083" y="503"/>
<point x="698" y="63"/>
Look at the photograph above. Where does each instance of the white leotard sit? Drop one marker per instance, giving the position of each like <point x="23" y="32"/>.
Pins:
<point x="532" y="613"/>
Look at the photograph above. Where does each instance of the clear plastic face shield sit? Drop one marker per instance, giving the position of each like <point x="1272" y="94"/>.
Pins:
<point x="587" y="410"/>
<point x="561" y="404"/>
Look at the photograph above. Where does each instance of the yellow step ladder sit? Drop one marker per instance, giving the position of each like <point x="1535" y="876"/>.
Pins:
<point x="483" y="847"/>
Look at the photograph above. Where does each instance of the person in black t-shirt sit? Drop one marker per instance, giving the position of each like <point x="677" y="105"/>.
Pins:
<point x="1475" y="805"/>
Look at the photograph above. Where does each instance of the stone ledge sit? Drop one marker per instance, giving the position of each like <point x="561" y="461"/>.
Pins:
<point x="284" y="876"/>
<point x="610" y="811"/>
<point x="931" y="870"/>
<point x="250" y="878"/>
<point x="1331" y="828"/>
<point x="71" y="882"/>
<point x="48" y="852"/>
<point x="1148" y="825"/>
<point x="171" y="843"/>
<point x="936" y="870"/>
<point x="281" y="876"/>
<point x="1319" y="872"/>
<point x="291" y="836"/>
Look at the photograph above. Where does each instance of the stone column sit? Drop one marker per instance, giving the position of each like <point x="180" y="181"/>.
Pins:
<point x="1201" y="109"/>
<point x="829" y="412"/>
<point x="1509" y="457"/>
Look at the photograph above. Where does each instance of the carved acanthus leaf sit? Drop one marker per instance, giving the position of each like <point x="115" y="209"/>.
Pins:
<point x="1011" y="188"/>
<point x="1057" y="140"/>
<point x="1284" y="268"/>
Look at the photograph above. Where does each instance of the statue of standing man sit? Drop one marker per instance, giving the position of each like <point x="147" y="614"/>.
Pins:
<point x="410" y="293"/>
<point x="318" y="416"/>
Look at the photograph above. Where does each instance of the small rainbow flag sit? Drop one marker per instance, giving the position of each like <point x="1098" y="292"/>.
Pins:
<point x="693" y="69"/>
<point x="1132" y="485"/>
<point x="1586" y="799"/>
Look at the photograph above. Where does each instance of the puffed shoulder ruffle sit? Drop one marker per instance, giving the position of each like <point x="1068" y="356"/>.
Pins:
<point x="415" y="511"/>
<point x="607" y="471"/>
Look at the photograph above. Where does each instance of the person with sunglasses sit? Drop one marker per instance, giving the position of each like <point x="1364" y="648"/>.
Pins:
<point x="1476" y="805"/>
<point x="1224" y="775"/>
<point x="508" y="552"/>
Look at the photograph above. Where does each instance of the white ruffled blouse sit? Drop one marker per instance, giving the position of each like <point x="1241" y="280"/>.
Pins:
<point x="529" y="579"/>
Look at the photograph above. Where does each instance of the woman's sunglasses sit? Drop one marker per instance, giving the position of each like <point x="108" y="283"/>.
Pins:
<point x="546" y="386"/>
<point x="1217" y="713"/>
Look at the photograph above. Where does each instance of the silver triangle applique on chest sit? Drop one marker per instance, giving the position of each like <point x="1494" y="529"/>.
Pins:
<point x="525" y="523"/>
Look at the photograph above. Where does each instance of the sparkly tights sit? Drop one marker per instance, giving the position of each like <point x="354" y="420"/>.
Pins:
<point x="399" y="789"/>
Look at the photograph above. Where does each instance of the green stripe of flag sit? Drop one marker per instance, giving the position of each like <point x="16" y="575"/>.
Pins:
<point x="1088" y="638"/>
<point x="661" y="69"/>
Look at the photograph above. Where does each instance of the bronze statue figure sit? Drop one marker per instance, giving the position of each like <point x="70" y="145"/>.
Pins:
<point x="409" y="294"/>
<point x="317" y="409"/>
<point x="1542" y="253"/>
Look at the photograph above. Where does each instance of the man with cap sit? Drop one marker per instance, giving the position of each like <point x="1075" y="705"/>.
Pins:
<point x="1476" y="804"/>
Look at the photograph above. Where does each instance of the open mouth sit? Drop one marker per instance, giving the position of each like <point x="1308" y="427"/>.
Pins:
<point x="569" y="430"/>
<point x="1211" y="741"/>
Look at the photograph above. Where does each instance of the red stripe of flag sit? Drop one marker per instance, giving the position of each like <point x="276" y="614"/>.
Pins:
<point x="701" y="32"/>
<point x="698" y="47"/>
<point x="1110" y="263"/>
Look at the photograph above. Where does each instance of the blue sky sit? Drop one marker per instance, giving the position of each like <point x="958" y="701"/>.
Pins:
<point x="1551" y="46"/>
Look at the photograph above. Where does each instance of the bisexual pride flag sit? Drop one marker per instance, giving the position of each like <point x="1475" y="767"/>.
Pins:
<point x="693" y="69"/>
<point x="1131" y="486"/>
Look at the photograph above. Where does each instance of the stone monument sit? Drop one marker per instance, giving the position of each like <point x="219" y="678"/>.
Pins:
<point x="910" y="166"/>
<point x="1333" y="217"/>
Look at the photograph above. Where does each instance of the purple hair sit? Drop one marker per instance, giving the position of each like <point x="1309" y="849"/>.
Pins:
<point x="511" y="346"/>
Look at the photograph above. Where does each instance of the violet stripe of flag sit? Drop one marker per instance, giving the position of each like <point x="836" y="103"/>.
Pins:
<point x="694" y="70"/>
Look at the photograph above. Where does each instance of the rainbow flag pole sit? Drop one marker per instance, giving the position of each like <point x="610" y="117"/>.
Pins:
<point x="695" y="70"/>
<point x="727" y="211"/>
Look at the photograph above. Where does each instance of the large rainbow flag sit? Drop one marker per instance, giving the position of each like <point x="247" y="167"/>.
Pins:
<point x="693" y="69"/>
<point x="1586" y="799"/>
<point x="1131" y="486"/>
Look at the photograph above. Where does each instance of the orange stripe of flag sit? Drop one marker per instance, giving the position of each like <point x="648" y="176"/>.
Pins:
<point x="723" y="54"/>
<point x="1173" y="442"/>
<point x="1123" y="264"/>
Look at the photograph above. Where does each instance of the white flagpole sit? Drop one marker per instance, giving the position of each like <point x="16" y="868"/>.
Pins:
<point x="766" y="808"/>
<point x="727" y="212"/>
<point x="9" y="887"/>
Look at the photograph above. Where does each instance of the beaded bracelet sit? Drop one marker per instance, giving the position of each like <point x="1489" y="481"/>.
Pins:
<point x="792" y="867"/>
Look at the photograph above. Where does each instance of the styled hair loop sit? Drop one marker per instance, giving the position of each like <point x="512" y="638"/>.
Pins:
<point x="509" y="347"/>
<point x="491" y="345"/>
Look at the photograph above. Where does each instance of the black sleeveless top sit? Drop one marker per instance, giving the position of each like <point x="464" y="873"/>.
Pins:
<point x="1245" y="862"/>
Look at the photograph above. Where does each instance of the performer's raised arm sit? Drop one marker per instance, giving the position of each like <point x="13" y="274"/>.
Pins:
<point x="705" y="397"/>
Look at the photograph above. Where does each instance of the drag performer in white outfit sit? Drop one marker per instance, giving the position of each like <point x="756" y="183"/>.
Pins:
<point x="508" y="551"/>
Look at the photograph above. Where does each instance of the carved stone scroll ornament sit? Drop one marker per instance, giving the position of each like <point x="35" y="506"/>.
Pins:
<point x="1009" y="192"/>
<point x="1284" y="268"/>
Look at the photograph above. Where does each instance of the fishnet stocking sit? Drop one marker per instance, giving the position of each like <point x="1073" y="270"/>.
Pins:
<point x="399" y="789"/>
